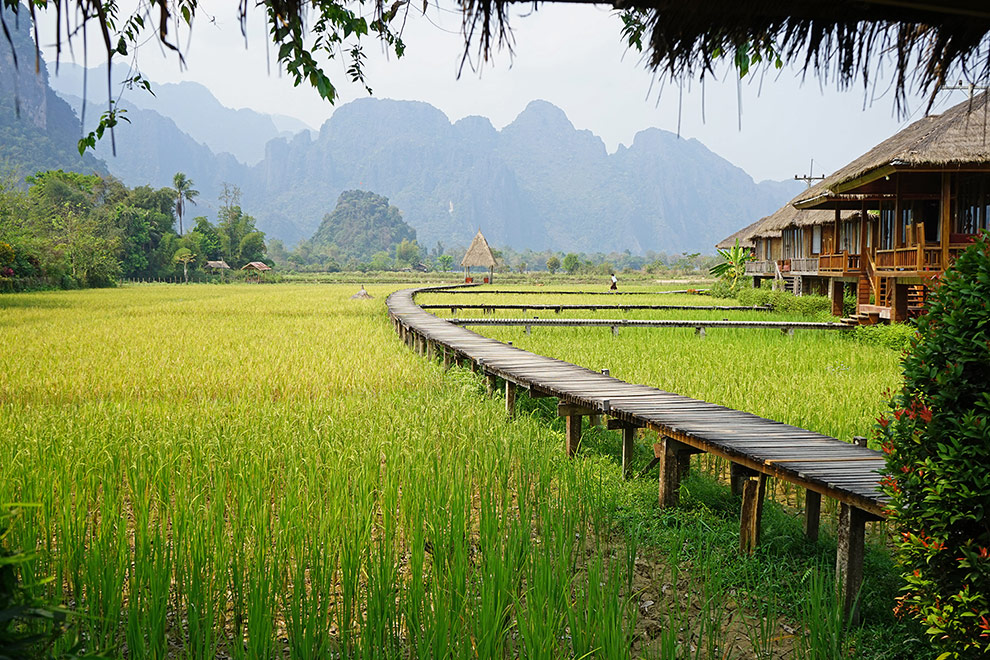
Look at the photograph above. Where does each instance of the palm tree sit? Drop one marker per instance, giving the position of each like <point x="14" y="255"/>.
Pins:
<point x="183" y="193"/>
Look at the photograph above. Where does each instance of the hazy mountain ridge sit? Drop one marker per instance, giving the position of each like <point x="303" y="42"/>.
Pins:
<point x="537" y="183"/>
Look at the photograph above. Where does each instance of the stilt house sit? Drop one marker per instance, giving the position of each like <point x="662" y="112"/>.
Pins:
<point x="888" y="223"/>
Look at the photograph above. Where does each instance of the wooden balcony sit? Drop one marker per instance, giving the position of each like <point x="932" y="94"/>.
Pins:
<point x="914" y="258"/>
<point x="805" y="266"/>
<point x="840" y="264"/>
<point x="759" y="268"/>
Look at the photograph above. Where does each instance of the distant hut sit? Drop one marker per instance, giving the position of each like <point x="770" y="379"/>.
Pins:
<point x="215" y="266"/>
<point x="259" y="267"/>
<point x="479" y="255"/>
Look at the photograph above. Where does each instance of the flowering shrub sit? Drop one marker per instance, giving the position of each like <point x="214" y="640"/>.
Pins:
<point x="937" y="439"/>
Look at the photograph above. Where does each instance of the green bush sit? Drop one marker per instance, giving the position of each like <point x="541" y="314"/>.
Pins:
<point x="784" y="301"/>
<point x="937" y="439"/>
<point x="897" y="336"/>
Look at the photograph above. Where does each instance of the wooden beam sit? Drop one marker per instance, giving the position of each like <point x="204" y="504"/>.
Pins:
<point x="510" y="398"/>
<point x="812" y="514"/>
<point x="614" y="424"/>
<point x="570" y="409"/>
<point x="491" y="383"/>
<point x="849" y="558"/>
<point x="595" y="419"/>
<point x="751" y="513"/>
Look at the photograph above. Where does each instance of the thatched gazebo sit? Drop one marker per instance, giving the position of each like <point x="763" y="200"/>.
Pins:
<point x="215" y="266"/>
<point x="479" y="255"/>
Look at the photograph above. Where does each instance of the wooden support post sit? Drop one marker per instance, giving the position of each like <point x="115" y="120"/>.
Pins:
<point x="615" y="331"/>
<point x="491" y="384"/>
<point x="572" y="437"/>
<point x="812" y="514"/>
<point x="751" y="513"/>
<point x="628" y="445"/>
<point x="430" y="350"/>
<point x="849" y="558"/>
<point x="675" y="460"/>
<point x="899" y="302"/>
<point x="510" y="398"/>
<point x="737" y="475"/>
<point x="595" y="419"/>
<point x="529" y="329"/>
<point x="946" y="217"/>
<point x="446" y="358"/>
<point x="836" y="290"/>
<point x="700" y="331"/>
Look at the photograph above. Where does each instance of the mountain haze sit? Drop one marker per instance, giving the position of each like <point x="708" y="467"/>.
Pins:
<point x="537" y="183"/>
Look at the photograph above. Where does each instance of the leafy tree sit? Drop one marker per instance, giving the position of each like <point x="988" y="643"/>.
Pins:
<point x="553" y="264"/>
<point x="444" y="262"/>
<point x="184" y="256"/>
<point x="252" y="247"/>
<point x="380" y="261"/>
<point x="407" y="253"/>
<point x="212" y="246"/>
<point x="937" y="440"/>
<point x="184" y="192"/>
<point x="571" y="263"/>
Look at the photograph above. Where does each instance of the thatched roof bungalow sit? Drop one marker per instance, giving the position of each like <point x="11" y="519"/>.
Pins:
<point x="257" y="265"/>
<point x="217" y="265"/>
<point x="479" y="255"/>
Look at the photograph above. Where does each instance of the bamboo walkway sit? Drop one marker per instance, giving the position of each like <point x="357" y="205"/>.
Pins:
<point x="756" y="447"/>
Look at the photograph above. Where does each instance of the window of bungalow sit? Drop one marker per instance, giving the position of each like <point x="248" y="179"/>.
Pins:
<point x="793" y="247"/>
<point x="816" y="239"/>
<point x="920" y="211"/>
<point x="973" y="203"/>
<point x="849" y="237"/>
<point x="885" y="241"/>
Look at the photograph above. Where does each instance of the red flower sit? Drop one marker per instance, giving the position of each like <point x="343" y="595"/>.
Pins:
<point x="883" y="421"/>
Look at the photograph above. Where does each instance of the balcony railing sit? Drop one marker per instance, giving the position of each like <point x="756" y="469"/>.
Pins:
<point x="839" y="263"/>
<point x="759" y="268"/>
<point x="912" y="258"/>
<point x="805" y="265"/>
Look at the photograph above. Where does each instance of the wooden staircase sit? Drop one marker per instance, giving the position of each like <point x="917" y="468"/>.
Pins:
<point x="917" y="300"/>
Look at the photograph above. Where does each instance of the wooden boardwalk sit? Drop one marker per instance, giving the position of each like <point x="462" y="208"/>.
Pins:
<point x="615" y="324"/>
<point x="755" y="446"/>
<point x="491" y="308"/>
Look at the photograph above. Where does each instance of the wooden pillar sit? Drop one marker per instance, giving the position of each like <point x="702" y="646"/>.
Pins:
<point x="675" y="459"/>
<point x="446" y="358"/>
<point x="430" y="350"/>
<point x="510" y="398"/>
<point x="946" y="217"/>
<point x="836" y="290"/>
<point x="898" y="302"/>
<point x="751" y="513"/>
<point x="849" y="558"/>
<point x="595" y="419"/>
<point x="572" y="435"/>
<point x="628" y="446"/>
<point x="491" y="383"/>
<point x="738" y="474"/>
<point x="812" y="514"/>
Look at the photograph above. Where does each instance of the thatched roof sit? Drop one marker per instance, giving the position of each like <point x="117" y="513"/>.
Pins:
<point x="743" y="236"/>
<point x="479" y="254"/>
<point x="959" y="136"/>
<point x="789" y="216"/>
<point x="256" y="265"/>
<point x="921" y="42"/>
<point x="221" y="264"/>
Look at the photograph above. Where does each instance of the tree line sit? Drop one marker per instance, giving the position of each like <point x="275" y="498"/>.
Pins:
<point x="66" y="230"/>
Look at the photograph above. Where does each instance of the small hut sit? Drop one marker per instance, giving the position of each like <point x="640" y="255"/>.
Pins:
<point x="479" y="255"/>
<point x="259" y="268"/>
<point x="215" y="266"/>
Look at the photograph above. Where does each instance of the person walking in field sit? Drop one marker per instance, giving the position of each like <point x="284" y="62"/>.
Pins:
<point x="615" y="283"/>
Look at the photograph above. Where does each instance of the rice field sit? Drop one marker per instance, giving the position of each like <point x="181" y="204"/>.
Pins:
<point x="818" y="380"/>
<point x="268" y="472"/>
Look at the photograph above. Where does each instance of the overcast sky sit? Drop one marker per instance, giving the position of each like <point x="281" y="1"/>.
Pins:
<point x="569" y="55"/>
